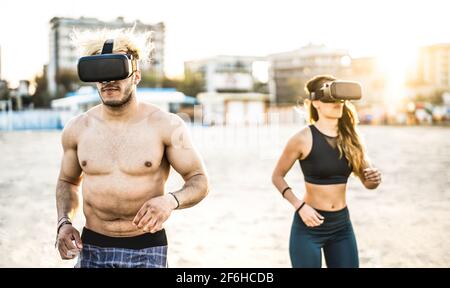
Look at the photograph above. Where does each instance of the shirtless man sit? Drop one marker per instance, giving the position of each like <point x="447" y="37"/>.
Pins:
<point x="122" y="150"/>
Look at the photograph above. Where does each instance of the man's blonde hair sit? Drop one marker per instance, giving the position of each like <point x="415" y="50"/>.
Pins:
<point x="90" y="42"/>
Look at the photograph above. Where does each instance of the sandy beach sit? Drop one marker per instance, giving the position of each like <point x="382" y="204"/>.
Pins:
<point x="244" y="222"/>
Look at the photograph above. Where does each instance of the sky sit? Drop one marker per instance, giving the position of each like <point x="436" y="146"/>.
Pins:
<point x="389" y="29"/>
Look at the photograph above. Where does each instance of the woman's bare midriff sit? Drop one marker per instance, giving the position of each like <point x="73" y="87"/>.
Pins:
<point x="325" y="197"/>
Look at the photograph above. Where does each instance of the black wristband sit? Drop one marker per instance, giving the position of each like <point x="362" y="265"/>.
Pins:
<point x="301" y="206"/>
<point x="284" y="190"/>
<point x="178" y="202"/>
<point x="62" y="224"/>
<point x="64" y="217"/>
<point x="67" y="221"/>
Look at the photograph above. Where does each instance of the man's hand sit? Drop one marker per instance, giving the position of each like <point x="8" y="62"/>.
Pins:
<point x="154" y="213"/>
<point x="67" y="249"/>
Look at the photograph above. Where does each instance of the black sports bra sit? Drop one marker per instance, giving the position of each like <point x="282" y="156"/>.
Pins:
<point x="322" y="165"/>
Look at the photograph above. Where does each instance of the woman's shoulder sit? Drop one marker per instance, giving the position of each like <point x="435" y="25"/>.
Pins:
<point x="302" y="136"/>
<point x="304" y="133"/>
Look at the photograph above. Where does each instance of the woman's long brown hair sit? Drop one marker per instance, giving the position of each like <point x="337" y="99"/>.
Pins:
<point x="348" y="141"/>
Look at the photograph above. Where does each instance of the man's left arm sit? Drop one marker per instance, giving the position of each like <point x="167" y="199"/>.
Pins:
<point x="184" y="158"/>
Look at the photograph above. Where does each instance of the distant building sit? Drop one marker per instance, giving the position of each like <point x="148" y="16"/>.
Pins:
<point x="233" y="108"/>
<point x="429" y="77"/>
<point x="289" y="71"/>
<point x="226" y="73"/>
<point x="433" y="67"/>
<point x="63" y="55"/>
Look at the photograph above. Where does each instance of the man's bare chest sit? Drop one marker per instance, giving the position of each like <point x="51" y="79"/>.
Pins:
<point x="133" y="151"/>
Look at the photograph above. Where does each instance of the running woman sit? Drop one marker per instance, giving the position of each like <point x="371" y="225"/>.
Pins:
<point x="329" y="149"/>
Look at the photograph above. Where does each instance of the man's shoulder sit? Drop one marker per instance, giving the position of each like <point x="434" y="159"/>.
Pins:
<point x="76" y="125"/>
<point x="78" y="121"/>
<point x="160" y="117"/>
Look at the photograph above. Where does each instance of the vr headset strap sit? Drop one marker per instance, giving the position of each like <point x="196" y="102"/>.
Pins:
<point x="316" y="95"/>
<point x="108" y="46"/>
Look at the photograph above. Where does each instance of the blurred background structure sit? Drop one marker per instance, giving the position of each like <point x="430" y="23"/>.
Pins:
<point x="419" y="94"/>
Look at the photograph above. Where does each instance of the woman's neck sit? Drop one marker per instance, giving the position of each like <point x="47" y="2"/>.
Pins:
<point x="328" y="126"/>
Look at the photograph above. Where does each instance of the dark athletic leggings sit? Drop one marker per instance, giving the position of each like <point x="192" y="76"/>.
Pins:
<point x="335" y="236"/>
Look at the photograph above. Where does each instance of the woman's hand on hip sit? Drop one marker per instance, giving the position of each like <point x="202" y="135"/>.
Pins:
<point x="310" y="216"/>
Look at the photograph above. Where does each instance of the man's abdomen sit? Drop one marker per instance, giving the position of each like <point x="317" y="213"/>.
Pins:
<point x="110" y="202"/>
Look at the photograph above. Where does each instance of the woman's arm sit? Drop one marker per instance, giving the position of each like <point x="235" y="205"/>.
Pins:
<point x="291" y="153"/>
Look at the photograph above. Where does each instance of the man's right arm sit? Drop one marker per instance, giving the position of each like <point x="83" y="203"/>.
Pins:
<point x="70" y="174"/>
<point x="67" y="188"/>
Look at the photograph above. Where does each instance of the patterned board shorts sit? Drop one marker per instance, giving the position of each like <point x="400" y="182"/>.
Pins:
<point x="92" y="256"/>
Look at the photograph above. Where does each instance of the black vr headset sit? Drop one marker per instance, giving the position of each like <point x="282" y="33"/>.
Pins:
<point x="106" y="66"/>
<point x="338" y="90"/>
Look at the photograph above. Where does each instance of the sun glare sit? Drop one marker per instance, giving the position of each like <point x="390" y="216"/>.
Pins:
<point x="396" y="64"/>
